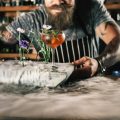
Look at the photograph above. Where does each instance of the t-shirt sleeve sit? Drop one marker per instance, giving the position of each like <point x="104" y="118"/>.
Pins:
<point x="100" y="14"/>
<point x="23" y="22"/>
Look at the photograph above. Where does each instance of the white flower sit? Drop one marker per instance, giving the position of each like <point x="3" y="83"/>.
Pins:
<point x="47" y="27"/>
<point x="20" y="30"/>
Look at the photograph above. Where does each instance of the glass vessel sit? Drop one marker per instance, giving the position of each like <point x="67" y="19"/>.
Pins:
<point x="53" y="41"/>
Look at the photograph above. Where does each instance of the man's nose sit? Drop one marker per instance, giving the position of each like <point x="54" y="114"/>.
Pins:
<point x="58" y="2"/>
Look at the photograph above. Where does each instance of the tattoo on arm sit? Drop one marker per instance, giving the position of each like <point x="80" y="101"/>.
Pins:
<point x="108" y="24"/>
<point x="111" y="53"/>
<point x="105" y="27"/>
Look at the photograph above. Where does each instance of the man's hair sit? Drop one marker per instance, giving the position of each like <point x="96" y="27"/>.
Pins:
<point x="82" y="13"/>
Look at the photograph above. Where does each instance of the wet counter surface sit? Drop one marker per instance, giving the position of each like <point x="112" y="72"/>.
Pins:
<point x="96" y="98"/>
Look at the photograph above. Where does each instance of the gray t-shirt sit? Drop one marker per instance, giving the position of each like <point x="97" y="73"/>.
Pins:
<point x="79" y="42"/>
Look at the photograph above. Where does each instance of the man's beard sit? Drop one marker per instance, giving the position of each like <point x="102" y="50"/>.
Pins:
<point x="63" y="20"/>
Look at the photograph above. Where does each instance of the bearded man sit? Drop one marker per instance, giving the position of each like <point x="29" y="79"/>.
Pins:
<point x="83" y="22"/>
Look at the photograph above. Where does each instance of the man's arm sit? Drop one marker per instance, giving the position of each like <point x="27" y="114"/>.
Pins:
<point x="31" y="22"/>
<point x="109" y="32"/>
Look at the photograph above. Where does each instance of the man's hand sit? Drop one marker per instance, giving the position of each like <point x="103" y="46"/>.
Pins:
<point x="6" y="36"/>
<point x="88" y="65"/>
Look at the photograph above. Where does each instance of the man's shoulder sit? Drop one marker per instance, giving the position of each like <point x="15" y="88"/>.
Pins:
<point x="39" y="9"/>
<point x="87" y="5"/>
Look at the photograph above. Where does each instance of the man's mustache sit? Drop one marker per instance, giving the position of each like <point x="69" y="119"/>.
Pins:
<point x="63" y="6"/>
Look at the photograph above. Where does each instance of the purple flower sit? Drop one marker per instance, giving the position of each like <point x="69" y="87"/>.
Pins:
<point x="23" y="44"/>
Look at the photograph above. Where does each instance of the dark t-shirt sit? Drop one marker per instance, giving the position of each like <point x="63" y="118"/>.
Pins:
<point x="81" y="39"/>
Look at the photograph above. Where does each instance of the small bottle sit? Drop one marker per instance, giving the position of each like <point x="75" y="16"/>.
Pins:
<point x="7" y="3"/>
<point x="17" y="2"/>
<point x="2" y="3"/>
<point x="21" y="3"/>
<point x="13" y="2"/>
<point x="26" y="2"/>
<point x="10" y="2"/>
<point x="29" y="2"/>
<point x="38" y="2"/>
<point x="34" y="2"/>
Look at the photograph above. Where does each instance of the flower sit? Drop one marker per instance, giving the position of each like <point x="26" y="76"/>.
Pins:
<point x="52" y="37"/>
<point x="47" y="27"/>
<point x="23" y="44"/>
<point x="20" y="30"/>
